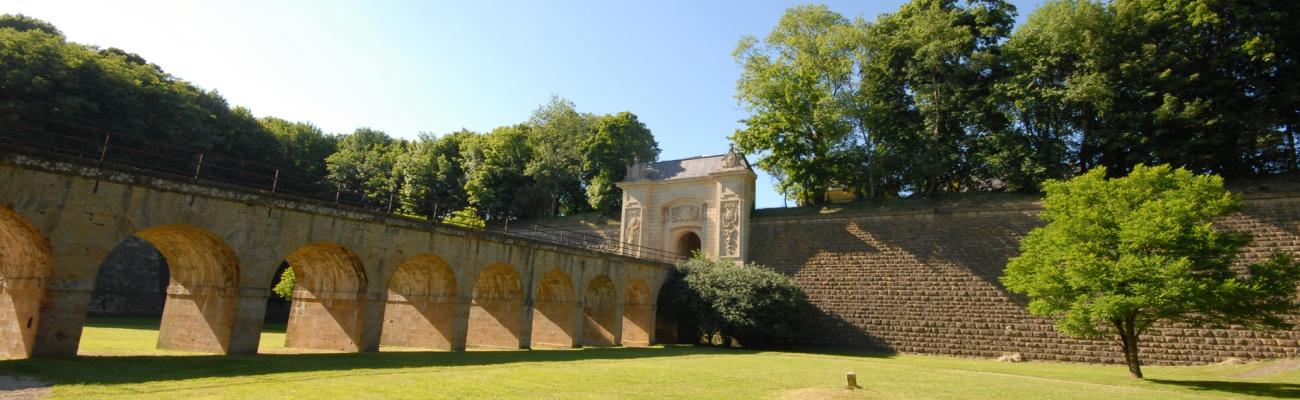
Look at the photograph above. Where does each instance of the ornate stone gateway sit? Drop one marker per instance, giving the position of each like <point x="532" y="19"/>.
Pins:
<point x="700" y="203"/>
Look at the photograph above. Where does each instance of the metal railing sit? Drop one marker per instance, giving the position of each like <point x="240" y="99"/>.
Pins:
<point x="44" y="136"/>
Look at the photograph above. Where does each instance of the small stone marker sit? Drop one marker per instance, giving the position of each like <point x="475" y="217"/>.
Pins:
<point x="853" y="380"/>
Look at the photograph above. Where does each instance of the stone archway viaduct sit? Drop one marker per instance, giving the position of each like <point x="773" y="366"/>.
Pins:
<point x="362" y="278"/>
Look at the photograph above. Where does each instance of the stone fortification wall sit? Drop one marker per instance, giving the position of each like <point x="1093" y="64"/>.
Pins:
<point x="131" y="282"/>
<point x="926" y="281"/>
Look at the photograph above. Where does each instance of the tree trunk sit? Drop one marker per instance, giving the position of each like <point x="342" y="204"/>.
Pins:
<point x="1129" y="341"/>
<point x="871" y="162"/>
<point x="1290" y="141"/>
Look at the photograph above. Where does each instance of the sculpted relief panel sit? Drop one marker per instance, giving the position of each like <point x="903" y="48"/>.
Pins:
<point x="686" y="213"/>
<point x="730" y="228"/>
<point x="633" y="228"/>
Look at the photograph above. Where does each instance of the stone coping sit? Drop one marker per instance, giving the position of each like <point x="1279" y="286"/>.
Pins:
<point x="222" y="191"/>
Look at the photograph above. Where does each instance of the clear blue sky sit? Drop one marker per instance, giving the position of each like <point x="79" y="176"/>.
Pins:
<point x="408" y="66"/>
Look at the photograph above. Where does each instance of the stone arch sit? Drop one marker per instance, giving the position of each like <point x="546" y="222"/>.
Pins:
<point x="327" y="311"/>
<point x="496" y="308"/>
<point x="202" y="288"/>
<point x="683" y="217"/>
<point x="687" y="243"/>
<point x="25" y="265"/>
<point x="421" y="307"/>
<point x="554" y="311"/>
<point x="638" y="314"/>
<point x="600" y="312"/>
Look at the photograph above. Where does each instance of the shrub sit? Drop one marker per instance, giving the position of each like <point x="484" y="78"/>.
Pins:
<point x="466" y="218"/>
<point x="720" y="302"/>
<point x="284" y="288"/>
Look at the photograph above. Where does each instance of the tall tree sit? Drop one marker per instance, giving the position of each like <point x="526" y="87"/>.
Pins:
<point x="927" y="76"/>
<point x="435" y="174"/>
<point x="364" y="164"/>
<point x="22" y="23"/>
<point x="797" y="84"/>
<point x="302" y="144"/>
<point x="1056" y="91"/>
<point x="556" y="133"/>
<point x="496" y="182"/>
<point x="619" y="140"/>
<point x="1119" y="255"/>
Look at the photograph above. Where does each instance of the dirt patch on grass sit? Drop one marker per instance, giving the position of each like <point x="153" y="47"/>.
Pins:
<point x="821" y="393"/>
<point x="1272" y="369"/>
<point x="23" y="388"/>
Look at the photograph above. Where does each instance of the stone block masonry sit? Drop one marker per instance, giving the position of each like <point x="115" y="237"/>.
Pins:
<point x="204" y="255"/>
<point x="926" y="281"/>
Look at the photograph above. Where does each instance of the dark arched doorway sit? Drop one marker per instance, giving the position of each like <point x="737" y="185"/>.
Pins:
<point x="687" y="244"/>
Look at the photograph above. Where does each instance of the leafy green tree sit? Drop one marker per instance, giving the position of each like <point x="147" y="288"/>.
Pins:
<point x="435" y="174"/>
<point x="1119" y="255"/>
<point x="747" y="303"/>
<point x="556" y="134"/>
<point x="496" y="182"/>
<point x="1207" y="85"/>
<point x="467" y="217"/>
<point x="284" y="288"/>
<point x="302" y="144"/>
<point x="61" y="87"/>
<point x="1186" y="90"/>
<point x="928" y="72"/>
<point x="364" y="163"/>
<point x="22" y="23"/>
<point x="1057" y="90"/>
<point x="618" y="141"/>
<point x="797" y="85"/>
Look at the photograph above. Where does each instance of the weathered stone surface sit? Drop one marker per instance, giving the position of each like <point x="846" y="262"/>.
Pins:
<point x="132" y="281"/>
<point x="25" y="266"/>
<point x="223" y="245"/>
<point x="927" y="282"/>
<point x="698" y="203"/>
<point x="599" y="310"/>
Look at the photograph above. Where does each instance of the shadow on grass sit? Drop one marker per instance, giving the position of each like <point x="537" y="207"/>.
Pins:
<point x="1266" y="389"/>
<point x="139" y="369"/>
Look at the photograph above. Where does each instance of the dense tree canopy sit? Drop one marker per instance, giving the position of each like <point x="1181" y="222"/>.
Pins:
<point x="1118" y="255"/>
<point x="616" y="142"/>
<point x="796" y="82"/>
<point x="944" y="96"/>
<point x="559" y="162"/>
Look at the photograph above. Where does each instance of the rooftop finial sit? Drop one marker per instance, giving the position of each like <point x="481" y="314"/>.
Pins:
<point x="732" y="159"/>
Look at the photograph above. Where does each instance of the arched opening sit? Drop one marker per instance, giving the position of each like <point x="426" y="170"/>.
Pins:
<point x="599" y="309"/>
<point x="554" y="311"/>
<point x="131" y="282"/>
<point x="496" y="311"/>
<point x="687" y="244"/>
<point x="25" y="265"/>
<point x="327" y="298"/>
<point x="197" y="302"/>
<point x="637" y="314"/>
<point x="421" y="308"/>
<point x="279" y="304"/>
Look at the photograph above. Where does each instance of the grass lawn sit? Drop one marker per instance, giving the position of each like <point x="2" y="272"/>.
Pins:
<point x="119" y="361"/>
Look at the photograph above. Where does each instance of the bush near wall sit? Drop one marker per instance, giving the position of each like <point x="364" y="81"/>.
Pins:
<point x="721" y="302"/>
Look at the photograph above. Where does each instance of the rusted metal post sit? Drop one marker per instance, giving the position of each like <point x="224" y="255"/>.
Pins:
<point x="198" y="167"/>
<point x="275" y="181"/>
<point x="390" y="201"/>
<point x="338" y="192"/>
<point x="103" y="149"/>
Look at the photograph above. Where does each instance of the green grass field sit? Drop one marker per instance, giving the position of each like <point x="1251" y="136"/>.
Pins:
<point x="119" y="361"/>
